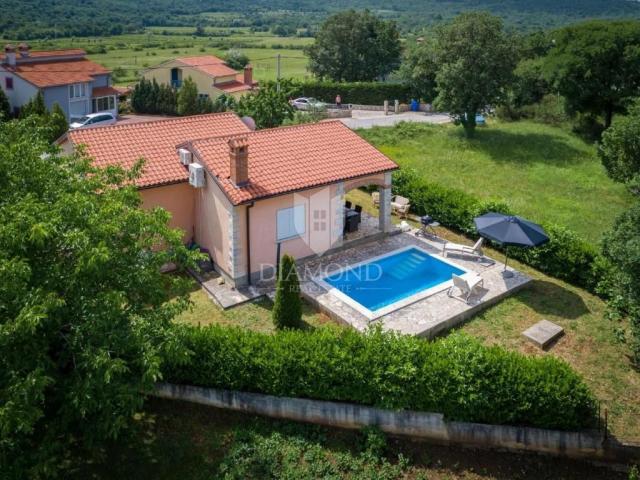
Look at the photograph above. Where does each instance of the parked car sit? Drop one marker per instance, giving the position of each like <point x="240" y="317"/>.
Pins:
<point x="94" y="120"/>
<point x="308" y="103"/>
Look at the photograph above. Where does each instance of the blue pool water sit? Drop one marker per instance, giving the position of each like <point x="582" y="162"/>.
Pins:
<point x="380" y="283"/>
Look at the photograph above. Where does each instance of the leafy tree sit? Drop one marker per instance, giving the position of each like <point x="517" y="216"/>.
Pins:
<point x="35" y="106"/>
<point x="269" y="107"/>
<point x="5" y="107"/>
<point x="621" y="246"/>
<point x="224" y="103"/>
<point x="619" y="149"/>
<point x="596" y="66"/>
<point x="476" y="59"/>
<point x="236" y="59"/>
<point x="188" y="98"/>
<point x="84" y="313"/>
<point x="355" y="46"/>
<point x="58" y="121"/>
<point x="287" y="307"/>
<point x="139" y="96"/>
<point x="419" y="70"/>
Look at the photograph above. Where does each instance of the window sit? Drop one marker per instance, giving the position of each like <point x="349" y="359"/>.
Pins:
<point x="319" y="220"/>
<point x="8" y="83"/>
<point x="101" y="104"/>
<point x="77" y="90"/>
<point x="290" y="222"/>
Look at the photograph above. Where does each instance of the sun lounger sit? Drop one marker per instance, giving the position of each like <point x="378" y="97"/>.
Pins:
<point x="464" y="249"/>
<point x="468" y="284"/>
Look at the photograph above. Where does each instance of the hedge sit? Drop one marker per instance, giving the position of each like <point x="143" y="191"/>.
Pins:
<point x="565" y="256"/>
<point x="456" y="376"/>
<point x="362" y="93"/>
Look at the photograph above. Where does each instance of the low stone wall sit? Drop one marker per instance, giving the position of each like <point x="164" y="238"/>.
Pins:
<point x="429" y="426"/>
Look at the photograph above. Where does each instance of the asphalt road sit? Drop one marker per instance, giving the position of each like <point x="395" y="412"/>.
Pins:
<point x="368" y="119"/>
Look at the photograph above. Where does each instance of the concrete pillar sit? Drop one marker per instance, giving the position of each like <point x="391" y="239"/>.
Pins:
<point x="235" y="261"/>
<point x="384" y="213"/>
<point x="396" y="107"/>
<point x="386" y="107"/>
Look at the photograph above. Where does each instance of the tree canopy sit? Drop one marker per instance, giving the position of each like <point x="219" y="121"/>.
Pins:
<point x="84" y="310"/>
<point x="188" y="98"/>
<point x="619" y="149"/>
<point x="596" y="66"/>
<point x="621" y="246"/>
<point x="269" y="107"/>
<point x="475" y="59"/>
<point x="355" y="46"/>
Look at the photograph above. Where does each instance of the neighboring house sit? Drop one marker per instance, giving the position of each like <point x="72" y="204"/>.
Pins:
<point x="249" y="191"/>
<point x="66" y="77"/>
<point x="211" y="75"/>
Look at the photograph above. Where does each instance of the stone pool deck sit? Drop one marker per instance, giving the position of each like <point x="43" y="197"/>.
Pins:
<point x="427" y="317"/>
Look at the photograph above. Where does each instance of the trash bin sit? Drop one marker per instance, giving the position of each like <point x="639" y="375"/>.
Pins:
<point x="415" y="105"/>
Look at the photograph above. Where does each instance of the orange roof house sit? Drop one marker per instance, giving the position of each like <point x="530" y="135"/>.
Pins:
<point x="211" y="74"/>
<point x="239" y="193"/>
<point x="66" y="77"/>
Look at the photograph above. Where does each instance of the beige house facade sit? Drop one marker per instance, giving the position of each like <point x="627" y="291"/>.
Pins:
<point x="210" y="74"/>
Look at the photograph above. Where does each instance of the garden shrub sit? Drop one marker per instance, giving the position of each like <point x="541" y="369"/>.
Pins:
<point x="565" y="256"/>
<point x="287" y="305"/>
<point x="362" y="93"/>
<point x="456" y="376"/>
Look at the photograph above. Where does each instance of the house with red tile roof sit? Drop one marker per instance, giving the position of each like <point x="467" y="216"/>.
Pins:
<point x="66" y="77"/>
<point x="247" y="197"/>
<point x="211" y="74"/>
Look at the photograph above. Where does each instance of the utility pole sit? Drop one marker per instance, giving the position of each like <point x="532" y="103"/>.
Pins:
<point x="278" y="72"/>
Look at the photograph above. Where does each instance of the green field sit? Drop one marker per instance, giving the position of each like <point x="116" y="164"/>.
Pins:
<point x="545" y="173"/>
<point x="134" y="52"/>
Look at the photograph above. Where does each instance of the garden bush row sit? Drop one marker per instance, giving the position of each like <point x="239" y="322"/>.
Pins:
<point x="565" y="256"/>
<point x="456" y="376"/>
<point x="361" y="93"/>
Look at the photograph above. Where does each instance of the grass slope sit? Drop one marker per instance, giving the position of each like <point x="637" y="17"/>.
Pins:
<point x="593" y="345"/>
<point x="177" y="441"/>
<point x="544" y="172"/>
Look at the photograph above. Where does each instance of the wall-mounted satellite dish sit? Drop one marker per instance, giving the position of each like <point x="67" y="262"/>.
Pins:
<point x="249" y="122"/>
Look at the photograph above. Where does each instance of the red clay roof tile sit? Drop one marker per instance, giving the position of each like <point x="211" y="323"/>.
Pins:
<point x="155" y="141"/>
<point x="63" y="72"/>
<point x="208" y="64"/>
<point x="288" y="159"/>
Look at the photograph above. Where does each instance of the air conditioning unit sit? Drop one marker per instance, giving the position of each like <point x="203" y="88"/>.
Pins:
<point x="185" y="156"/>
<point x="196" y="175"/>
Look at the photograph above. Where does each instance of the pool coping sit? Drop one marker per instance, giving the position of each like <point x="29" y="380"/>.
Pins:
<point x="404" y="302"/>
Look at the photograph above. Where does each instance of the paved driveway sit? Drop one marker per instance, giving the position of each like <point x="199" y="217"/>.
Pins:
<point x="368" y="119"/>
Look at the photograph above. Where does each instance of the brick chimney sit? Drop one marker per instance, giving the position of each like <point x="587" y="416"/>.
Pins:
<point x="248" y="75"/>
<point x="239" y="161"/>
<point x="23" y="48"/>
<point x="10" y="55"/>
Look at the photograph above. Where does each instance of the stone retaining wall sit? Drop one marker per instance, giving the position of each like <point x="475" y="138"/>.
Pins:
<point x="429" y="426"/>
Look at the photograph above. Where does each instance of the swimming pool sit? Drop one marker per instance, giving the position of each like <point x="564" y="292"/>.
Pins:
<point x="386" y="283"/>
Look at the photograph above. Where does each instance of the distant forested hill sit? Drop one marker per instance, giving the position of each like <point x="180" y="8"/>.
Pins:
<point x="28" y="19"/>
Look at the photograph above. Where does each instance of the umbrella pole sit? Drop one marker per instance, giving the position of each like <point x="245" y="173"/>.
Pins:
<point x="506" y="273"/>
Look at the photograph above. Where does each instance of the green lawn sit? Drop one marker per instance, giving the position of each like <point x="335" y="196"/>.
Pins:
<point x="593" y="345"/>
<point x="254" y="315"/>
<point x="544" y="172"/>
<point x="135" y="52"/>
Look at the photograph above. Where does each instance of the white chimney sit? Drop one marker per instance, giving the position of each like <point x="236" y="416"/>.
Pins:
<point x="10" y="55"/>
